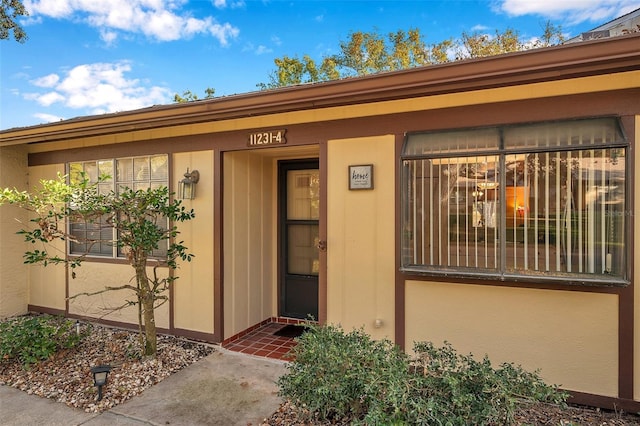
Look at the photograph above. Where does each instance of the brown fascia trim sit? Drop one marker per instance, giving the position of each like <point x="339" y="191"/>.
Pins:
<point x="555" y="63"/>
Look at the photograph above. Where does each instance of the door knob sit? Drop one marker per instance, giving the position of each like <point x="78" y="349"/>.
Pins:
<point x="322" y="245"/>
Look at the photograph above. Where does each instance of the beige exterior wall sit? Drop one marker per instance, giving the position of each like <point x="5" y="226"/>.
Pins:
<point x="13" y="274"/>
<point x="360" y="240"/>
<point x="572" y="337"/>
<point x="47" y="284"/>
<point x="93" y="277"/>
<point x="249" y="240"/>
<point x="193" y="290"/>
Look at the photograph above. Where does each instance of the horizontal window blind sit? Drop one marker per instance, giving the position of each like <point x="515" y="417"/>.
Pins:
<point x="552" y="212"/>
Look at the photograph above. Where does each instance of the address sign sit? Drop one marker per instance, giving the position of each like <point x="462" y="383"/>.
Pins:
<point x="267" y="137"/>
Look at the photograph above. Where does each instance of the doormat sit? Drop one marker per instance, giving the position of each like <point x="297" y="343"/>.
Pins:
<point x="291" y="330"/>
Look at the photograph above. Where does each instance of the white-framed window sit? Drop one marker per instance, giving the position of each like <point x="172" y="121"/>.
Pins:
<point x="96" y="238"/>
<point x="540" y="201"/>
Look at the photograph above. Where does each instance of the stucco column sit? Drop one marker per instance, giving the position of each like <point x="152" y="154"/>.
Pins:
<point x="14" y="278"/>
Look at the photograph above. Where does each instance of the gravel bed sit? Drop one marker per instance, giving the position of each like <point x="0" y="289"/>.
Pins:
<point x="539" y="414"/>
<point x="66" y="377"/>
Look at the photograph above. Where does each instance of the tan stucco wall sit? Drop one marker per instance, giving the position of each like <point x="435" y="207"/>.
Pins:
<point x="249" y="240"/>
<point x="360" y="240"/>
<point x="93" y="277"/>
<point x="47" y="284"/>
<point x="13" y="274"/>
<point x="193" y="290"/>
<point x="572" y="337"/>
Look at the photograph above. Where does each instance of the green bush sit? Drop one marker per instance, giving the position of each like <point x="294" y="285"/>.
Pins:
<point x="339" y="376"/>
<point x="351" y="378"/>
<point x="29" y="339"/>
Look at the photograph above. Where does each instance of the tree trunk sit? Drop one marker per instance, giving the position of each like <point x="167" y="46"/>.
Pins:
<point x="151" y="343"/>
<point x="146" y="301"/>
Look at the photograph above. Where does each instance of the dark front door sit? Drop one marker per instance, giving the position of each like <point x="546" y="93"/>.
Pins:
<point x="299" y="212"/>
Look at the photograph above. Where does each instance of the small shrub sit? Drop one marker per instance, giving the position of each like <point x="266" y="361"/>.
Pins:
<point x="350" y="378"/>
<point x="466" y="391"/>
<point x="29" y="339"/>
<point x="339" y="376"/>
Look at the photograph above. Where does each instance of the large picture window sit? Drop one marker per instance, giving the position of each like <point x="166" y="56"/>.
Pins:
<point x="546" y="201"/>
<point x="138" y="173"/>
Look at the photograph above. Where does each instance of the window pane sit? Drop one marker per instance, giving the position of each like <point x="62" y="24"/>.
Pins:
<point x="141" y="186"/>
<point x="105" y="188"/>
<point x="125" y="170"/>
<point x="566" y="212"/>
<point x="303" y="192"/>
<point x="453" y="217"/>
<point x="452" y="142"/>
<point x="91" y="170"/>
<point x="302" y="258"/>
<point x="92" y="238"/>
<point x="75" y="172"/>
<point x="105" y="168"/>
<point x="159" y="168"/>
<point x="141" y="171"/>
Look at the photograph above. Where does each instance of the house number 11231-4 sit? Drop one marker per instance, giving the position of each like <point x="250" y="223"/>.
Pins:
<point x="270" y="137"/>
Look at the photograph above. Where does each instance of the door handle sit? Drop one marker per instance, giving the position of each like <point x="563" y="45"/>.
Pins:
<point x="322" y="245"/>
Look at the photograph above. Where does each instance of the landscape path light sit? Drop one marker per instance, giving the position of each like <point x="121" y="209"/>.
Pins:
<point x="100" y="373"/>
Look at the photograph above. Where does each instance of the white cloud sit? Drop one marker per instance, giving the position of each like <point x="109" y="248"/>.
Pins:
<point x="261" y="50"/>
<point x="573" y="11"/>
<point x="46" y="81"/>
<point x="54" y="9"/>
<point x="47" y="118"/>
<point x="109" y="37"/>
<point x="162" y="20"/>
<point x="479" y="27"/>
<point x="98" y="88"/>
<point x="223" y="4"/>
<point x="223" y="32"/>
<point x="49" y="98"/>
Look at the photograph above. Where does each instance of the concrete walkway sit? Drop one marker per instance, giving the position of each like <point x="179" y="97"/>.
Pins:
<point x="225" y="388"/>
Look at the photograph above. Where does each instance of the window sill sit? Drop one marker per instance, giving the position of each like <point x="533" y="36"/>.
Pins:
<point x="515" y="280"/>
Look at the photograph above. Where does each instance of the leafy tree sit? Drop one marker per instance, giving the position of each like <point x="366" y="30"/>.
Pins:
<point x="362" y="54"/>
<point x="551" y="35"/>
<point x="10" y="11"/>
<point x="139" y="219"/>
<point x="188" y="95"/>
<point x="366" y="53"/>
<point x="479" y="45"/>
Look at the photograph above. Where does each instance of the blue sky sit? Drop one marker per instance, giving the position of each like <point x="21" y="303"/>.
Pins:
<point x="86" y="57"/>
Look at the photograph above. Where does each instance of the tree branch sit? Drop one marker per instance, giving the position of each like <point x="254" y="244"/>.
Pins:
<point x="106" y="289"/>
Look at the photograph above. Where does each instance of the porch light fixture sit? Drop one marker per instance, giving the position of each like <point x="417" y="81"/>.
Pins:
<point x="187" y="186"/>
<point x="100" y="373"/>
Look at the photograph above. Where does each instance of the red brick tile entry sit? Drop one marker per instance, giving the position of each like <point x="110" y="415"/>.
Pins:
<point x="263" y="342"/>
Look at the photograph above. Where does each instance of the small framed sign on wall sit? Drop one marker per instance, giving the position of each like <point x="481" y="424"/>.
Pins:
<point x="361" y="176"/>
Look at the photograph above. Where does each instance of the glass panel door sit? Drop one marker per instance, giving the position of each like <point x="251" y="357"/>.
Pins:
<point x="300" y="266"/>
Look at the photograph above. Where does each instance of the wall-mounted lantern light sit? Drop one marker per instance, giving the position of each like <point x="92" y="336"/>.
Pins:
<point x="100" y="374"/>
<point x="187" y="186"/>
